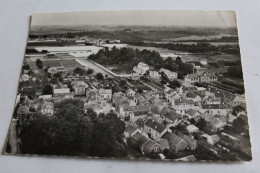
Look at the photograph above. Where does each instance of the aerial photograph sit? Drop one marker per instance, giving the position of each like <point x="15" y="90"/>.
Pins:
<point x="146" y="85"/>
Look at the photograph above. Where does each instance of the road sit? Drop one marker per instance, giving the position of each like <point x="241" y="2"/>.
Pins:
<point x="93" y="66"/>
<point x="13" y="138"/>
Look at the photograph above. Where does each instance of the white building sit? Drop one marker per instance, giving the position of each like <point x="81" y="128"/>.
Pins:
<point x="141" y="68"/>
<point x="154" y="74"/>
<point x="79" y="87"/>
<point x="170" y="74"/>
<point x="105" y="94"/>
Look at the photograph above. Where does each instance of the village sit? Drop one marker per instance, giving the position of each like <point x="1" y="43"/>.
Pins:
<point x="161" y="121"/>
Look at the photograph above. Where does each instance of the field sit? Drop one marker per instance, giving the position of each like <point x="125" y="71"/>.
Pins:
<point x="69" y="64"/>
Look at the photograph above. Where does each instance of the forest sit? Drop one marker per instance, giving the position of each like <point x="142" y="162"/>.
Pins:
<point x="72" y="132"/>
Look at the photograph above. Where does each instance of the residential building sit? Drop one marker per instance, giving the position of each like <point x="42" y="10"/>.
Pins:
<point x="150" y="146"/>
<point x="79" y="87"/>
<point x="141" y="68"/>
<point x="47" y="108"/>
<point x="211" y="139"/>
<point x="170" y="74"/>
<point x="105" y="94"/>
<point x="214" y="109"/>
<point x="130" y="93"/>
<point x="192" y="129"/>
<point x="154" y="74"/>
<point x="176" y="143"/>
<point x="192" y="143"/>
<point x="154" y="129"/>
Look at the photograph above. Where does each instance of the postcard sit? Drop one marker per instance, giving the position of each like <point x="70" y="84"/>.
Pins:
<point x="146" y="85"/>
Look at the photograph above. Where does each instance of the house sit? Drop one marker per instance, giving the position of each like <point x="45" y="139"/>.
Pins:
<point x="172" y="118"/>
<point x="216" y="123"/>
<point x="130" y="93"/>
<point x="214" y="109"/>
<point x="192" y="129"/>
<point x="154" y="129"/>
<point x="211" y="139"/>
<point x="176" y="143"/>
<point x="130" y="130"/>
<point x="231" y="100"/>
<point x="192" y="143"/>
<point x="164" y="144"/>
<point x="191" y="113"/>
<point x="79" y="87"/>
<point x="154" y="100"/>
<point x="183" y="105"/>
<point x="192" y="78"/>
<point x="150" y="146"/>
<point x="61" y="92"/>
<point x="92" y="95"/>
<point x="137" y="97"/>
<point x="154" y="74"/>
<point x="105" y="94"/>
<point x="141" y="68"/>
<point x="194" y="97"/>
<point x="47" y="108"/>
<point x="168" y="94"/>
<point x="170" y="74"/>
<point x="135" y="115"/>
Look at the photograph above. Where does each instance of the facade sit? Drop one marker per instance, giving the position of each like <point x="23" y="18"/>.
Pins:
<point x="170" y="74"/>
<point x="154" y="74"/>
<point x="79" y="87"/>
<point x="154" y="129"/>
<point x="47" y="108"/>
<point x="141" y="68"/>
<point x="105" y="94"/>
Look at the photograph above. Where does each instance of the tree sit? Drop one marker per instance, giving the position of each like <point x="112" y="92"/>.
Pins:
<point x="201" y="124"/>
<point x="79" y="71"/>
<point x="26" y="67"/>
<point x="237" y="109"/>
<point x="163" y="82"/>
<point x="38" y="63"/>
<point x="99" y="76"/>
<point x="90" y="71"/>
<point x="122" y="82"/>
<point x="174" y="84"/>
<point x="238" y="125"/>
<point x="47" y="90"/>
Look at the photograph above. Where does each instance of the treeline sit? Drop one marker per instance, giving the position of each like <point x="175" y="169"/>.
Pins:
<point x="72" y="132"/>
<point x="126" y="58"/>
<point x="193" y="48"/>
<point x="222" y="39"/>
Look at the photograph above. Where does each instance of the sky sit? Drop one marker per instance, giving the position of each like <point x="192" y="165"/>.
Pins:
<point x="146" y="18"/>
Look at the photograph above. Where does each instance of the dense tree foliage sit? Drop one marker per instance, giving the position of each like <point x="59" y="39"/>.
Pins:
<point x="126" y="58"/>
<point x="47" y="90"/>
<point x="70" y="131"/>
<point x="79" y="71"/>
<point x="39" y="63"/>
<point x="235" y="71"/>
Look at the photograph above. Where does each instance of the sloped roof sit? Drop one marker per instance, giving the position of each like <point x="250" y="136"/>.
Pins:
<point x="213" y="106"/>
<point x="155" y="125"/>
<point x="163" y="143"/>
<point x="137" y="136"/>
<point x="172" y="138"/>
<point x="105" y="91"/>
<point x="191" y="112"/>
<point x="191" y="95"/>
<point x="148" y="146"/>
<point x="61" y="91"/>
<point x="140" y="113"/>
<point x="186" y="138"/>
<point x="131" y="129"/>
<point x="172" y="115"/>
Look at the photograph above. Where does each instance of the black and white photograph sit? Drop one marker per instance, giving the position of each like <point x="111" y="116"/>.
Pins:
<point x="142" y="85"/>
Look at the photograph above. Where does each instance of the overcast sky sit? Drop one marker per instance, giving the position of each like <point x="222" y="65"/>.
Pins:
<point x="175" y="18"/>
